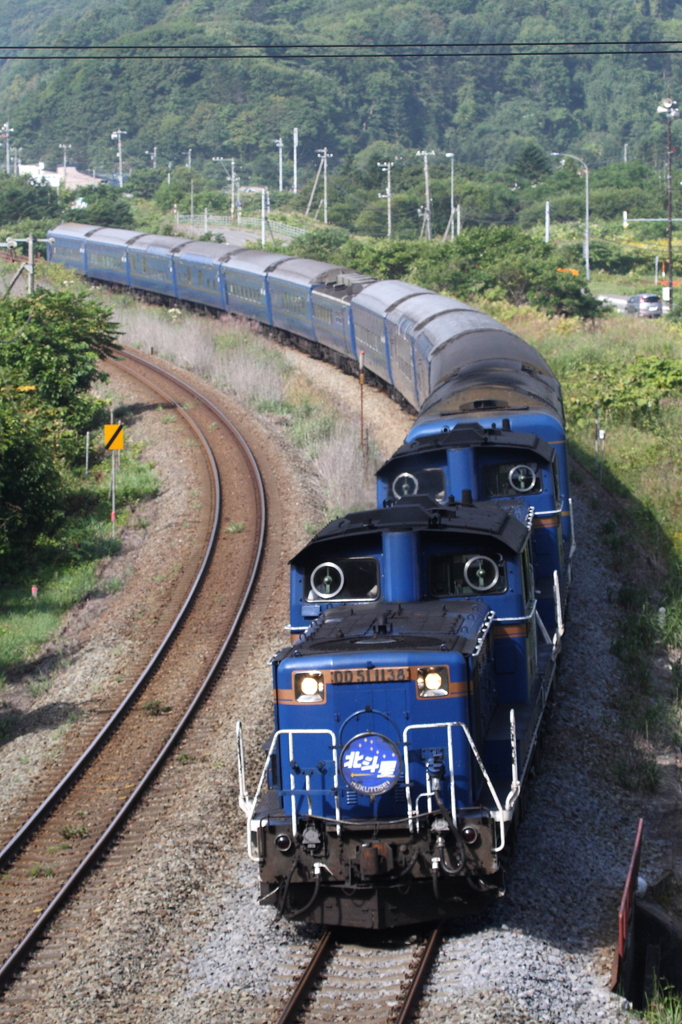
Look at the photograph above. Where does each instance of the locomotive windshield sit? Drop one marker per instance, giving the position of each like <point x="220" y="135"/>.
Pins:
<point x="465" y="574"/>
<point x="510" y="479"/>
<point x="429" y="481"/>
<point x="345" y="579"/>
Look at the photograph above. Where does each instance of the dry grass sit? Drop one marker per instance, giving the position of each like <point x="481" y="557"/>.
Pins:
<point x="244" y="363"/>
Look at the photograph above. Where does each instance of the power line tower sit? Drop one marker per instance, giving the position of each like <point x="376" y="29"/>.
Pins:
<point x="280" y="147"/>
<point x="426" y="223"/>
<point x="151" y="153"/>
<point x="64" y="146"/>
<point x="118" y="135"/>
<point x="386" y="167"/>
<point x="324" y="156"/>
<point x="295" y="189"/>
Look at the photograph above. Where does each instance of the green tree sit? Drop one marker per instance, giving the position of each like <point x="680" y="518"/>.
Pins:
<point x="22" y="198"/>
<point x="105" y="205"/>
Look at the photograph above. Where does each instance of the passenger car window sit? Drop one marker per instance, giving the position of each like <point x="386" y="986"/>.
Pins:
<point x="346" y="579"/>
<point x="464" y="574"/>
<point x="511" y="479"/>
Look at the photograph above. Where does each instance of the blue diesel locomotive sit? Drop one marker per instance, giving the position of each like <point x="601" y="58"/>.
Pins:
<point x="425" y="632"/>
<point x="405" y="715"/>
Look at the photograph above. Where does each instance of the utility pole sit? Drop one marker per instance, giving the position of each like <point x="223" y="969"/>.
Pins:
<point x="669" y="108"/>
<point x="191" y="199"/>
<point x="231" y="178"/>
<point x="295" y="161"/>
<point x="312" y="194"/>
<point x="280" y="146"/>
<point x="324" y="155"/>
<point x="547" y="222"/>
<point x="586" y="244"/>
<point x="151" y="153"/>
<point x="459" y="219"/>
<point x="426" y="225"/>
<point x="387" y="194"/>
<point x="625" y="152"/>
<point x="118" y="135"/>
<point x="188" y="165"/>
<point x="64" y="146"/>
<point x="451" y="222"/>
<point x="5" y="133"/>
<point x="170" y="164"/>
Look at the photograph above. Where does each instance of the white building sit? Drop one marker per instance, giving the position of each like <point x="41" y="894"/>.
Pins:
<point x="64" y="177"/>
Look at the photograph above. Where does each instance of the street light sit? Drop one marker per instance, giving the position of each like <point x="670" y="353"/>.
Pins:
<point x="586" y="246"/>
<point x="669" y="108"/>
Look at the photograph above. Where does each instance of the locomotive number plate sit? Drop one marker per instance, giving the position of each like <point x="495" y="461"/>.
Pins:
<point x="367" y="675"/>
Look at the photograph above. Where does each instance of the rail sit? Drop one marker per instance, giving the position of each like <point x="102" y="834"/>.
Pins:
<point x="11" y="963"/>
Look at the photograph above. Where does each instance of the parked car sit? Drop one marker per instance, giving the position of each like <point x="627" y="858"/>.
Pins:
<point x="643" y="304"/>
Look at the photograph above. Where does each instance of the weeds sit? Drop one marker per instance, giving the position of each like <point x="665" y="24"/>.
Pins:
<point x="235" y="527"/>
<point x="185" y="758"/>
<point x="74" y="831"/>
<point x="40" y="871"/>
<point x="156" y="708"/>
<point x="665" y="1007"/>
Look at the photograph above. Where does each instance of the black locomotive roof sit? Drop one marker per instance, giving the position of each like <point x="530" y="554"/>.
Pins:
<point x="454" y="625"/>
<point x="473" y="435"/>
<point x="479" y="519"/>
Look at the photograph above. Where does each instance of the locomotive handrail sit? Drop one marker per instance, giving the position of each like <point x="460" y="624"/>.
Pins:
<point x="412" y="812"/>
<point x="519" y="618"/>
<point x="248" y="806"/>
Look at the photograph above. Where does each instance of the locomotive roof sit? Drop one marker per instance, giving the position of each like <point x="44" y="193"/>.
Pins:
<point x="473" y="435"/>
<point x="479" y="519"/>
<point x="453" y="625"/>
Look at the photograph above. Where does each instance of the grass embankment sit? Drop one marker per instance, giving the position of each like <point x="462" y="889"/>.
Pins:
<point x="64" y="567"/>
<point x="242" y="362"/>
<point x="631" y="371"/>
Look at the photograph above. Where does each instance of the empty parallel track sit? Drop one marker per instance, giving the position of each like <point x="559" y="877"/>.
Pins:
<point x="373" y="982"/>
<point x="54" y="848"/>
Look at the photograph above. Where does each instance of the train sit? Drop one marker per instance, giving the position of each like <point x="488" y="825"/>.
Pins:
<point x="424" y="632"/>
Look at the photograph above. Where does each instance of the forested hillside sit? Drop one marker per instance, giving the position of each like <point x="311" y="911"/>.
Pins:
<point x="484" y="109"/>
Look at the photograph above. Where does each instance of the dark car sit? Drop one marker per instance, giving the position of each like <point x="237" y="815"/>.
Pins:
<point x="644" y="304"/>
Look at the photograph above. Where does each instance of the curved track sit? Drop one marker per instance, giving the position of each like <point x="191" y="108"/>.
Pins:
<point x="63" y="838"/>
<point x="363" y="983"/>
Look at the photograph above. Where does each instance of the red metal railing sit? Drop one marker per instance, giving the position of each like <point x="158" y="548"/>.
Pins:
<point x="626" y="904"/>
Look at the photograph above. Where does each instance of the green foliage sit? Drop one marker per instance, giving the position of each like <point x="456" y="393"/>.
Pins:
<point x="21" y="198"/>
<point x="495" y="263"/>
<point x="106" y="206"/>
<point x="629" y="392"/>
<point x="489" y="111"/>
<point x="50" y="345"/>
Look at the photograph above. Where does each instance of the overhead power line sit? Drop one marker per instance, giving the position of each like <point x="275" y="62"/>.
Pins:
<point x="339" y="51"/>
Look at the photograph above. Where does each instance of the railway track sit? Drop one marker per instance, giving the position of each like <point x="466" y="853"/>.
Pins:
<point x="368" y="983"/>
<point x="64" y="837"/>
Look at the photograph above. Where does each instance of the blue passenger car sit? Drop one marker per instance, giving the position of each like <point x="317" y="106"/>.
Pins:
<point x="291" y="283"/>
<point x="66" y="245"/>
<point x="151" y="265"/>
<point x="370" y="307"/>
<point x="246" y="282"/>
<point x="107" y="254"/>
<point x="198" y="276"/>
<point x="332" y="317"/>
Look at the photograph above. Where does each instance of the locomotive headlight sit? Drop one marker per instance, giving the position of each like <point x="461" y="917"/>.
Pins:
<point x="433" y="681"/>
<point x="309" y="687"/>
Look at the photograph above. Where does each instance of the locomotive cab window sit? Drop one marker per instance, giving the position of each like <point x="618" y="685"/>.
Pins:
<point x="511" y="479"/>
<point x="419" y="481"/>
<point x="465" y="574"/>
<point x="344" y="579"/>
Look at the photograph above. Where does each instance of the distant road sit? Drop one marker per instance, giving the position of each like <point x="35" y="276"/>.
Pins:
<point x="619" y="301"/>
